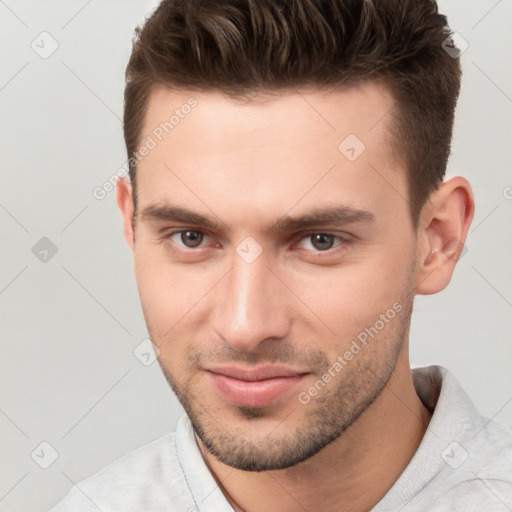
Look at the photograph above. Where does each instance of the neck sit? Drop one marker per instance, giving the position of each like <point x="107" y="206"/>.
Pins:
<point x="376" y="448"/>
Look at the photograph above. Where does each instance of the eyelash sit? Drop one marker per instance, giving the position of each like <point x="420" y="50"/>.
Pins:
<point x="343" y="241"/>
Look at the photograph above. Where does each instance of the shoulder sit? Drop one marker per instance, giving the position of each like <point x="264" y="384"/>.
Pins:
<point x="149" y="475"/>
<point x="488" y="475"/>
<point x="477" y="472"/>
<point x="473" y="475"/>
<point x="478" y="460"/>
<point x="477" y="491"/>
<point x="464" y="462"/>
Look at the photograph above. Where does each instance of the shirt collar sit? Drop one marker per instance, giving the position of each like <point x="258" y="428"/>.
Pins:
<point x="203" y="487"/>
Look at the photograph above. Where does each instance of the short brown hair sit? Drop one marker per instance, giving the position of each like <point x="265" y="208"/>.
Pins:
<point x="244" y="47"/>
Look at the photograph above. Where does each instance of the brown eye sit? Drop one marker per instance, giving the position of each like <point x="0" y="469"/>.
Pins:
<point x="191" y="239"/>
<point x="322" y="241"/>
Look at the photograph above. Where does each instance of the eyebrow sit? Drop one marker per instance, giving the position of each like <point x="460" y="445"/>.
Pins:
<point x="172" y="213"/>
<point x="319" y="216"/>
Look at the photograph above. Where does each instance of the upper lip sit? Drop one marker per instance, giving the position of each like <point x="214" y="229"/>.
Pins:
<point x="254" y="373"/>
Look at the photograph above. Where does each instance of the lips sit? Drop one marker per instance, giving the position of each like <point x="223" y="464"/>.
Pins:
<point x="253" y="387"/>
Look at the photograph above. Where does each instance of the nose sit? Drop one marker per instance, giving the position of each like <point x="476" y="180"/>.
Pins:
<point x="251" y="305"/>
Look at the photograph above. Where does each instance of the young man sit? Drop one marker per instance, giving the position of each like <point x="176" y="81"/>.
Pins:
<point x="285" y="206"/>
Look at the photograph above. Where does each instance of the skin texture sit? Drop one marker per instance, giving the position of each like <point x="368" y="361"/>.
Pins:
<point x="304" y="301"/>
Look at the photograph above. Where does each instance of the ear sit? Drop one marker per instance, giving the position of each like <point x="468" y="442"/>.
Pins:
<point x="125" y="204"/>
<point x="442" y="231"/>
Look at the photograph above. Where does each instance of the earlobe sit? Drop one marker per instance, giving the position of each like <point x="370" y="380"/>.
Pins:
<point x="125" y="204"/>
<point x="442" y="233"/>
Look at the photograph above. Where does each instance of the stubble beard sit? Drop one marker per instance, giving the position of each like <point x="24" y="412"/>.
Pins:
<point x="324" y="419"/>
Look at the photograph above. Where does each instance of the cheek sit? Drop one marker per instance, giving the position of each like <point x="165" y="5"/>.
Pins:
<point x="169" y="293"/>
<point x="350" y="298"/>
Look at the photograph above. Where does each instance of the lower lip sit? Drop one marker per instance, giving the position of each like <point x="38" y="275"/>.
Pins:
<point x="259" y="393"/>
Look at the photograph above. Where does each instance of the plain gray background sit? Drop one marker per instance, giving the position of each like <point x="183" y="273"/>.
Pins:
<point x="71" y="322"/>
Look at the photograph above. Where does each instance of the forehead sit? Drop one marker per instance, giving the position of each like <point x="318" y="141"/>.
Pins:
<point x="283" y="151"/>
<point x="331" y="113"/>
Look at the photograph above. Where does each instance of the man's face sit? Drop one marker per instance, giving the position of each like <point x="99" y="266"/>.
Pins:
<point x="275" y="267"/>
